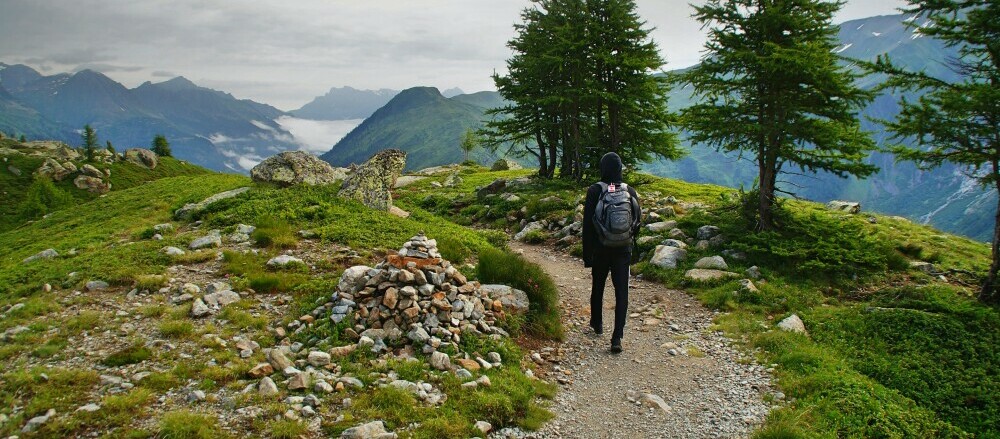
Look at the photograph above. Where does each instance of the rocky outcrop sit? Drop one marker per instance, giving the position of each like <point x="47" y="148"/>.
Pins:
<point x="296" y="167"/>
<point x="54" y="170"/>
<point x="844" y="206"/>
<point x="190" y="209"/>
<point x="372" y="182"/>
<point x="92" y="184"/>
<point x="505" y="165"/>
<point x="142" y="157"/>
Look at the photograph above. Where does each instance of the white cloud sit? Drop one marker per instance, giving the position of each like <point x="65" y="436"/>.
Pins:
<point x="285" y="53"/>
<point x="317" y="136"/>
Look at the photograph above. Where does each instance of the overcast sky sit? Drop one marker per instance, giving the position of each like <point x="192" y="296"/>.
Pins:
<point x="285" y="52"/>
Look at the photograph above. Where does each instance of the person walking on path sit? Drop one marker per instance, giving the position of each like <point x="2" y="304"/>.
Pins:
<point x="609" y="227"/>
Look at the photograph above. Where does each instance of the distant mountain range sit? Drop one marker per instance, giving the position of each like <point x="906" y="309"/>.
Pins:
<point x="204" y="126"/>
<point x="420" y="121"/>
<point x="345" y="103"/>
<point x="216" y="130"/>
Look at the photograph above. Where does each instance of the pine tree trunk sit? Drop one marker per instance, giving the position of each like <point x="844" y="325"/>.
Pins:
<point x="765" y="206"/>
<point x="542" y="161"/>
<point x="989" y="292"/>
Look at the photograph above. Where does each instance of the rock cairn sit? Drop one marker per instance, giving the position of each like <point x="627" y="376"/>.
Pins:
<point x="418" y="298"/>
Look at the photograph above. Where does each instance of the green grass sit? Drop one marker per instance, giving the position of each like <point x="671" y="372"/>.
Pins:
<point x="510" y="269"/>
<point x="183" y="424"/>
<point x="38" y="389"/>
<point x="136" y="353"/>
<point x="920" y="371"/>
<point x="176" y="329"/>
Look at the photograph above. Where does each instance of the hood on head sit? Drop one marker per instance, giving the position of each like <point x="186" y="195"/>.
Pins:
<point x="611" y="168"/>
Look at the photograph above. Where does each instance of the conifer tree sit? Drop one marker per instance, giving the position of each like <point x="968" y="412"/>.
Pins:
<point x="580" y="84"/>
<point x="770" y="86"/>
<point x="161" y="147"/>
<point x="469" y="142"/>
<point x="89" y="142"/>
<point x="956" y="122"/>
<point x="111" y="149"/>
<point x="23" y="139"/>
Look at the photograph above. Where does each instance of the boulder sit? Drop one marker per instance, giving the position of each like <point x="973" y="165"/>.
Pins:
<point x="661" y="226"/>
<point x="90" y="171"/>
<point x="54" y="170"/>
<point x="712" y="263"/>
<point x="91" y="184"/>
<point x="666" y="256"/>
<point x="142" y="157"/>
<point x="213" y="239"/>
<point x="708" y="232"/>
<point x="48" y="253"/>
<point x="190" y="209"/>
<point x="505" y="165"/>
<point x="371" y="182"/>
<point x="844" y="206"/>
<point x="371" y="430"/>
<point x="793" y="323"/>
<point x="407" y="180"/>
<point x="531" y="227"/>
<point x="702" y="274"/>
<point x="512" y="299"/>
<point x="495" y="187"/>
<point x="281" y="261"/>
<point x="296" y="167"/>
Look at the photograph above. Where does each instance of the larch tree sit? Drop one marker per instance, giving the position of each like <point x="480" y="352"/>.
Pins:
<point x="770" y="86"/>
<point x="582" y="83"/>
<point x="955" y="121"/>
<point x="89" y="142"/>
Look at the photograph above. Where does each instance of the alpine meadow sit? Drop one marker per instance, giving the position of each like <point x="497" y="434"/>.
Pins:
<point x="816" y="255"/>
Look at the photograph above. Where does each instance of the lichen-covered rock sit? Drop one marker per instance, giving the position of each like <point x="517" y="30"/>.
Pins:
<point x="372" y="182"/>
<point x="844" y="206"/>
<point x="92" y="184"/>
<point x="54" y="170"/>
<point x="90" y="171"/>
<point x="296" y="167"/>
<point x="666" y="256"/>
<point x="505" y="165"/>
<point x="191" y="208"/>
<point x="142" y="157"/>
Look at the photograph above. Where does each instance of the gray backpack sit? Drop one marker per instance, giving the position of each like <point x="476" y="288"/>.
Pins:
<point x="615" y="216"/>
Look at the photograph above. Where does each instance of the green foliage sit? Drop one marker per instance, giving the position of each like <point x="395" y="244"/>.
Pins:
<point x="470" y="141"/>
<point x="577" y="86"/>
<point x="43" y="197"/>
<point x="929" y="344"/>
<point x="274" y="232"/>
<point x="161" y="146"/>
<point x="39" y="389"/>
<point x="183" y="424"/>
<point x="111" y="148"/>
<point x="176" y="328"/>
<point x="955" y="121"/>
<point x="770" y="85"/>
<point x="511" y="269"/>
<point x="89" y="142"/>
<point x="135" y="353"/>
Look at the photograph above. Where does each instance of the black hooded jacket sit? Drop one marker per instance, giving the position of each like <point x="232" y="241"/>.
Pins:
<point x="611" y="172"/>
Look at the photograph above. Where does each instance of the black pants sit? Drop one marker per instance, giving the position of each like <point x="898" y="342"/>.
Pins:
<point x="617" y="263"/>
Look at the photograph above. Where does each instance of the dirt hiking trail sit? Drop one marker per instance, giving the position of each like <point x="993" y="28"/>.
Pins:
<point x="677" y="378"/>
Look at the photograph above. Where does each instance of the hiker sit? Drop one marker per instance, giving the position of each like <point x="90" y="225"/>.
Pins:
<point x="610" y="224"/>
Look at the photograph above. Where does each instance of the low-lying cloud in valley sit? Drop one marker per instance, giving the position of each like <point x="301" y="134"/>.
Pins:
<point x="317" y="136"/>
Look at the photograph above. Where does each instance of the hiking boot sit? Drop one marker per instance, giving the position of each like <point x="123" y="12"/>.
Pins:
<point x="598" y="330"/>
<point x="616" y="346"/>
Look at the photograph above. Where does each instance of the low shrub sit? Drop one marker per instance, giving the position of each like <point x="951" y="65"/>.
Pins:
<point x="500" y="267"/>
<point x="136" y="353"/>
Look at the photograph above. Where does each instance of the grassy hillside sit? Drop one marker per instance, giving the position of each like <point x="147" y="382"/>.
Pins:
<point x="892" y="351"/>
<point x="16" y="188"/>
<point x="54" y="340"/>
<point x="428" y="126"/>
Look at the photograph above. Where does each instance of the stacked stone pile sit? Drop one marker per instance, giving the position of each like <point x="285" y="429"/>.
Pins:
<point x="417" y="297"/>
